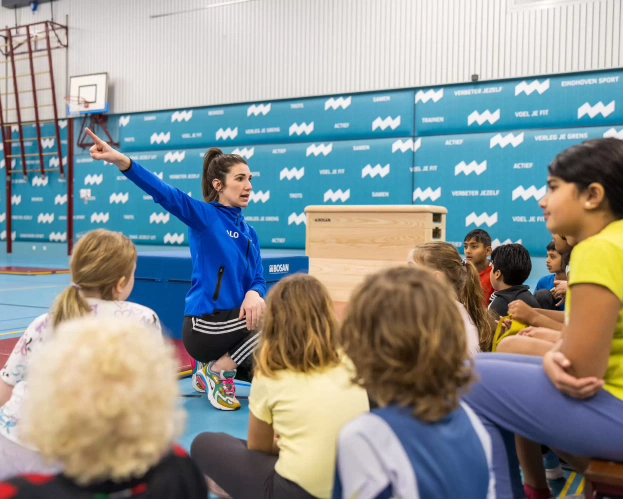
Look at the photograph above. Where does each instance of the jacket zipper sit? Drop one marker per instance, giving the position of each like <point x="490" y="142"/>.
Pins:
<point x="217" y="292"/>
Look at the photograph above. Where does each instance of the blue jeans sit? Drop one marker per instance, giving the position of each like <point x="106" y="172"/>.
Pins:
<point x="515" y="396"/>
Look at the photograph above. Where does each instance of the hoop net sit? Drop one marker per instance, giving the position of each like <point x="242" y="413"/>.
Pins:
<point x="75" y="104"/>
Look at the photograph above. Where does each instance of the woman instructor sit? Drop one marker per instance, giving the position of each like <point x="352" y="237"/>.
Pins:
<point x="225" y="303"/>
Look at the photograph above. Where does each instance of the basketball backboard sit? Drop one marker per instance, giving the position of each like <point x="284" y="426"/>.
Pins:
<point x="88" y="94"/>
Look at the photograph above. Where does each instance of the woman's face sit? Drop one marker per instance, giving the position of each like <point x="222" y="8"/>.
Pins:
<point x="237" y="189"/>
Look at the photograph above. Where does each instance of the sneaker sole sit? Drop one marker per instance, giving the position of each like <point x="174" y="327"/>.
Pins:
<point x="554" y="474"/>
<point x="213" y="401"/>
<point x="197" y="385"/>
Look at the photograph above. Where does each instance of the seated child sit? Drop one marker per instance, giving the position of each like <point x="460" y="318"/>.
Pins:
<point x="546" y="285"/>
<point x="477" y="246"/>
<point x="510" y="268"/>
<point x="407" y="341"/>
<point x="301" y="396"/>
<point x="102" y="402"/>
<point x="102" y="272"/>
<point x="446" y="263"/>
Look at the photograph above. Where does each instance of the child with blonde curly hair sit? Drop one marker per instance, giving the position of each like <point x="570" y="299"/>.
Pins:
<point x="112" y="436"/>
<point x="102" y="272"/>
<point x="407" y="341"/>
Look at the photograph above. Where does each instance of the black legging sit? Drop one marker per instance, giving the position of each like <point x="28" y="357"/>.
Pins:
<point x="242" y="473"/>
<point x="209" y="337"/>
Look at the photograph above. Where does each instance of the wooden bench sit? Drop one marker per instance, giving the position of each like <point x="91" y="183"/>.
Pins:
<point x="606" y="479"/>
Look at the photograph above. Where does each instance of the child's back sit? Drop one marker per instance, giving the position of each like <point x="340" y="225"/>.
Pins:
<point x="404" y="457"/>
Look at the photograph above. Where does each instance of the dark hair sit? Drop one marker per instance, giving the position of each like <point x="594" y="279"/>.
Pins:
<point x="513" y="260"/>
<point x="480" y="236"/>
<point x="552" y="247"/>
<point x="217" y="165"/>
<point x="594" y="161"/>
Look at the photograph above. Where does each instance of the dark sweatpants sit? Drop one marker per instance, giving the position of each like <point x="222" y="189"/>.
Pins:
<point x="241" y="472"/>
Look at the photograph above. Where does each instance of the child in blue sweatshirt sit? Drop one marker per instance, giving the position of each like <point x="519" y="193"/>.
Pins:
<point x="226" y="300"/>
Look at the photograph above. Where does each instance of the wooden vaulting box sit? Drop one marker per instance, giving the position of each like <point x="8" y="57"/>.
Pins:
<point x="346" y="243"/>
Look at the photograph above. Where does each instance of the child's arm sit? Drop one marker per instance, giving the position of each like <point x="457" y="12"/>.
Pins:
<point x="261" y="436"/>
<point x="536" y="317"/>
<point x="587" y="339"/>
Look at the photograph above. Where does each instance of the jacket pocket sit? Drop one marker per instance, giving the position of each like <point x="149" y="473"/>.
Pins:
<point x="219" y="283"/>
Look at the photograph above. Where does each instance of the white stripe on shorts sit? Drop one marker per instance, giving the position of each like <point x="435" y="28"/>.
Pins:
<point x="212" y="328"/>
<point x="246" y="349"/>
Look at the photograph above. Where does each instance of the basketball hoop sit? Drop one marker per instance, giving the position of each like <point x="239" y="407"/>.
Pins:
<point x="75" y="105"/>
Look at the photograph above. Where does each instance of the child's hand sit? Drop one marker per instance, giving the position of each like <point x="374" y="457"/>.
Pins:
<point x="556" y="364"/>
<point x="506" y="325"/>
<point x="522" y="312"/>
<point x="560" y="289"/>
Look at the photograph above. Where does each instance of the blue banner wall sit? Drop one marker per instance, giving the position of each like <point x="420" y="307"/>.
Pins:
<point x="286" y="178"/>
<point x="548" y="102"/>
<point x="345" y="117"/>
<point x="494" y="181"/>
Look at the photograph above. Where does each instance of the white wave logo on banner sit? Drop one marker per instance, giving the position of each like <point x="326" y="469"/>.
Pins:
<point x="175" y="157"/>
<point x="482" y="118"/>
<point x="179" y="116"/>
<point x="94" y="179"/>
<point x="60" y="199"/>
<point x="496" y="242"/>
<point x="47" y="143"/>
<point x="316" y="150"/>
<point x="594" y="111"/>
<point x="297" y="219"/>
<point x="119" y="197"/>
<point x="479" y="220"/>
<point x="3" y="235"/>
<point x="45" y="218"/>
<point x="160" y="138"/>
<point x="2" y="164"/>
<point x="173" y="238"/>
<point x="58" y="237"/>
<point x="100" y="218"/>
<point x="297" y="173"/>
<point x="425" y="96"/>
<point x="245" y="153"/>
<point x="388" y="122"/>
<point x="335" y="104"/>
<point x="259" y="196"/>
<point x="534" y="86"/>
<point x="373" y="171"/>
<point x="226" y="134"/>
<point x="468" y="169"/>
<point x="40" y="181"/>
<point x="62" y="124"/>
<point x="55" y="163"/>
<point x="428" y="193"/>
<point x="16" y="199"/>
<point x="505" y="140"/>
<point x="336" y="196"/>
<point x="530" y="192"/>
<point x="2" y="217"/>
<point x="124" y="121"/>
<point x="303" y="128"/>
<point x="407" y="145"/>
<point x="257" y="109"/>
<point x="159" y="218"/>
<point x="612" y="133"/>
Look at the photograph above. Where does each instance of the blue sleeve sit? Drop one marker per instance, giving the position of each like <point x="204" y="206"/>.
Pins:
<point x="544" y="283"/>
<point x="192" y="212"/>
<point x="259" y="283"/>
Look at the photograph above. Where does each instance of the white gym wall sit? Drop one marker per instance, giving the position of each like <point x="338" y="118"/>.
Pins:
<point x="271" y="49"/>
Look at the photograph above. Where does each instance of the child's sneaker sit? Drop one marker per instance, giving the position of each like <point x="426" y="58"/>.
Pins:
<point x="553" y="470"/>
<point x="220" y="387"/>
<point x="197" y="366"/>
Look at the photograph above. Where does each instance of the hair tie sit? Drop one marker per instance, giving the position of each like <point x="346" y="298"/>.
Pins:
<point x="74" y="285"/>
<point x="464" y="262"/>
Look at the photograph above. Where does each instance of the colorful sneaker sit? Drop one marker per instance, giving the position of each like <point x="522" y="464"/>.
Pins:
<point x="553" y="470"/>
<point x="220" y="388"/>
<point x="197" y="367"/>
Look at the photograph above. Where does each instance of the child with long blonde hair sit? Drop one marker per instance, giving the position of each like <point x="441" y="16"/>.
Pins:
<point x="301" y="396"/>
<point x="464" y="280"/>
<point x="408" y="344"/>
<point x="102" y="272"/>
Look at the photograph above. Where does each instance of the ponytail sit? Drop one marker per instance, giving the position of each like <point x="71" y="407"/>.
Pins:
<point x="472" y="297"/>
<point x="69" y="305"/>
<point x="216" y="166"/>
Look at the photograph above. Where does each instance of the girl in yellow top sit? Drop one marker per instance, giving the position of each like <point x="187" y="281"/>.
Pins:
<point x="572" y="399"/>
<point x="301" y="397"/>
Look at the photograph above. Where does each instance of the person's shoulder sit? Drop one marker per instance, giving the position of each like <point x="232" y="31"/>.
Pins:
<point x="129" y="309"/>
<point x="41" y="324"/>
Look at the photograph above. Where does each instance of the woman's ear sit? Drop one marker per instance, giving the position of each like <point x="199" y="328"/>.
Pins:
<point x="216" y="183"/>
